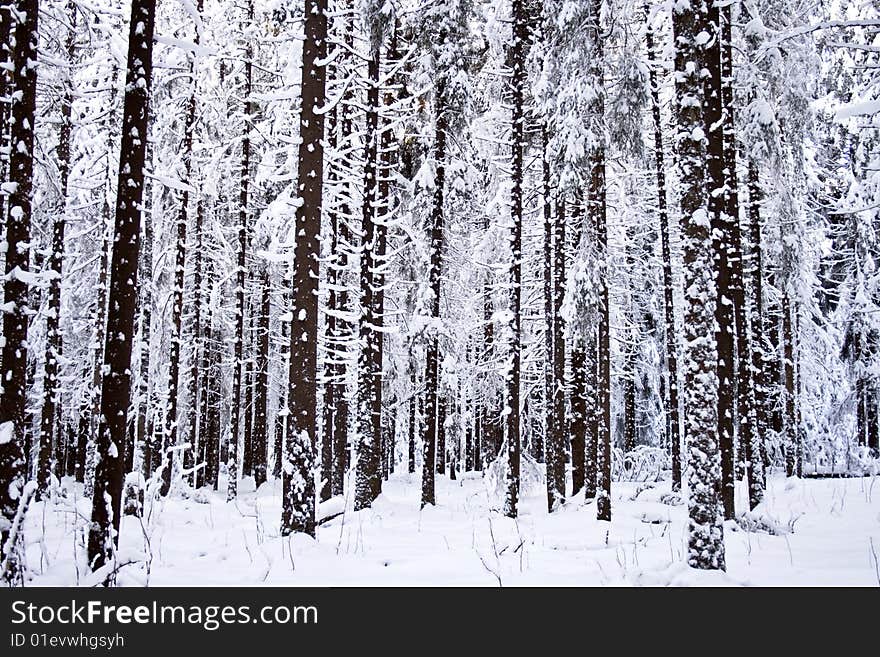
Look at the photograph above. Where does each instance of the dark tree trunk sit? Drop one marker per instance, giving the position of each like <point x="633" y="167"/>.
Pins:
<point x="745" y="393"/>
<point x="171" y="415"/>
<point x="144" y="430"/>
<point x="343" y="327"/>
<point x="207" y="452"/>
<point x="713" y="117"/>
<point x="53" y="333"/>
<point x="233" y="457"/>
<point x="706" y="531"/>
<point x="98" y="344"/>
<point x="261" y="388"/>
<point x="792" y="448"/>
<point x="441" y="434"/>
<point x="116" y="383"/>
<point x="578" y="423"/>
<point x="597" y="206"/>
<point x="13" y="398"/>
<point x="368" y="481"/>
<point x="538" y="446"/>
<point x="284" y="357"/>
<point x="194" y="387"/>
<point x="247" y="442"/>
<point x="557" y="462"/>
<point x="298" y="513"/>
<point x="756" y="274"/>
<point x="432" y="455"/>
<point x="332" y="347"/>
<point x="517" y="55"/>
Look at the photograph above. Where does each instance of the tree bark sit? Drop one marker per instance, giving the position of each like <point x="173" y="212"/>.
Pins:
<point x="56" y="261"/>
<point x="298" y="513"/>
<point x="13" y="398"/>
<point x="673" y="420"/>
<point x="511" y="411"/>
<point x="706" y="532"/>
<point x="116" y="383"/>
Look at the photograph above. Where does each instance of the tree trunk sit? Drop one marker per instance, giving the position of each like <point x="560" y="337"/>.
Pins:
<point x="558" y="383"/>
<point x="116" y="383"/>
<point x="298" y="514"/>
<point x="713" y="117"/>
<point x="706" y="532"/>
<point x="261" y="388"/>
<point x="756" y="274"/>
<point x="367" y="476"/>
<point x="53" y="333"/>
<point x="792" y="449"/>
<point x="284" y="358"/>
<point x="511" y="410"/>
<point x="243" y="227"/>
<point x="13" y="398"/>
<point x="745" y="392"/>
<point x="207" y="450"/>
<point x="673" y="421"/>
<point x="194" y="387"/>
<point x="171" y="415"/>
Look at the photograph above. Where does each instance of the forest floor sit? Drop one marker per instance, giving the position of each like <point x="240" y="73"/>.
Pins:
<point x="807" y="532"/>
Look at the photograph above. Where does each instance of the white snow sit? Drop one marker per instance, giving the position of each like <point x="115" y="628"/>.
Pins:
<point x="7" y="430"/>
<point x="824" y="532"/>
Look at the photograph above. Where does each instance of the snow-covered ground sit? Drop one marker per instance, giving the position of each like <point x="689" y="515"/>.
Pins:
<point x="821" y="532"/>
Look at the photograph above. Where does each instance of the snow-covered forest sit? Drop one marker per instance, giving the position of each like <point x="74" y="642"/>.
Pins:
<point x="440" y="292"/>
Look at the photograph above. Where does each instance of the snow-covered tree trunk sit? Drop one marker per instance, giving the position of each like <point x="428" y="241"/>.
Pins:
<point x="713" y="116"/>
<point x="511" y="411"/>
<point x="56" y="260"/>
<point x="116" y="381"/>
<point x="194" y="387"/>
<point x="756" y="276"/>
<point x="144" y="431"/>
<point x="558" y="383"/>
<point x="673" y="421"/>
<point x="298" y="513"/>
<point x="174" y="357"/>
<point x="233" y="457"/>
<point x="22" y="44"/>
<point x="367" y="479"/>
<point x="705" y="530"/>
<point x="261" y="383"/>
<point x="746" y="430"/>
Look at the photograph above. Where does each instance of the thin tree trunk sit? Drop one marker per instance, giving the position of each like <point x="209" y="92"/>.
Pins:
<point x="745" y="401"/>
<point x="53" y="317"/>
<point x="171" y="415"/>
<point x="144" y="423"/>
<point x="756" y="274"/>
<point x="367" y="476"/>
<point x="261" y="397"/>
<point x="194" y="383"/>
<point x="284" y="357"/>
<point x="512" y="375"/>
<point x="790" y="419"/>
<point x="233" y="466"/>
<point x="557" y="462"/>
<point x="206" y="448"/>
<point x="672" y="404"/>
<point x="330" y="331"/>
